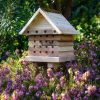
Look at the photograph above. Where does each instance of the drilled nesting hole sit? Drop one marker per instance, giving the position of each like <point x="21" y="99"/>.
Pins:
<point x="34" y="51"/>
<point x="45" y="31"/>
<point x="54" y="31"/>
<point x="52" y="51"/>
<point x="36" y="31"/>
<point x="27" y="31"/>
<point x="46" y="51"/>
<point x="52" y="35"/>
<point x="46" y="35"/>
<point x="34" y="35"/>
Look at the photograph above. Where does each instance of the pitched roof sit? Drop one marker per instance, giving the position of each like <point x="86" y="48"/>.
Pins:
<point x="56" y="20"/>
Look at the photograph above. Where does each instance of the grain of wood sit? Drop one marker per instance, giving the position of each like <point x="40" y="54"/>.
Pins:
<point x="50" y="54"/>
<point x="49" y="48"/>
<point x="52" y="38"/>
<point x="49" y="43"/>
<point x="48" y="59"/>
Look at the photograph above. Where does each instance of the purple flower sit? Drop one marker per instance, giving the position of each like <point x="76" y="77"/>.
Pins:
<point x="36" y="87"/>
<point x="65" y="96"/>
<point x="39" y="80"/>
<point x="50" y="72"/>
<point x="0" y="89"/>
<point x="20" y="93"/>
<point x="78" y="76"/>
<point x="81" y="46"/>
<point x="17" y="51"/>
<point x="6" y="70"/>
<point x="25" y="74"/>
<point x="91" y="90"/>
<point x="85" y="98"/>
<point x="9" y="86"/>
<point x="38" y="93"/>
<point x="76" y="98"/>
<point x="7" y="53"/>
<point x="62" y="81"/>
<point x="86" y="75"/>
<point x="1" y="72"/>
<point x="58" y="74"/>
<point x="54" y="96"/>
<point x="31" y="87"/>
<point x="6" y="96"/>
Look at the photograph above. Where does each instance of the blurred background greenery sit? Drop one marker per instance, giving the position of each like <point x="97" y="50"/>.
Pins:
<point x="84" y="15"/>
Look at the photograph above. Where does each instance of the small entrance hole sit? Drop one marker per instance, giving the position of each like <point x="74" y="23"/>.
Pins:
<point x="52" y="51"/>
<point x="54" y="31"/>
<point x="27" y="31"/>
<point x="46" y="51"/>
<point x="34" y="51"/>
<point x="46" y="35"/>
<point x="36" y="31"/>
<point x="45" y="31"/>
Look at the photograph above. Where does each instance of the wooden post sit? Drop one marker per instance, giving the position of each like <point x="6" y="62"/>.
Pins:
<point x="52" y="65"/>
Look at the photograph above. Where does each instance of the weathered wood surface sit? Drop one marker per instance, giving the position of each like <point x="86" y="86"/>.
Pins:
<point x="43" y="31"/>
<point x="49" y="20"/>
<point x="50" y="48"/>
<point x="52" y="38"/>
<point x="40" y="23"/>
<point x="50" y="53"/>
<point x="49" y="43"/>
<point x="48" y="59"/>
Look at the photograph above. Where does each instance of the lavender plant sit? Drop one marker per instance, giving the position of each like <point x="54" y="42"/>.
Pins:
<point x="78" y="80"/>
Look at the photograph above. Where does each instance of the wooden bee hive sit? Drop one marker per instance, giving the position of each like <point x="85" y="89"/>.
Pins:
<point x="50" y="37"/>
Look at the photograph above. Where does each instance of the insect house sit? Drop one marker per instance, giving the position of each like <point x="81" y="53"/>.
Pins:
<point x="50" y="38"/>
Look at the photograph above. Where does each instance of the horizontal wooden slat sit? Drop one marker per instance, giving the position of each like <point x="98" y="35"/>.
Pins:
<point x="51" y="37"/>
<point x="48" y="59"/>
<point x="49" y="43"/>
<point x="50" y="53"/>
<point x="50" y="48"/>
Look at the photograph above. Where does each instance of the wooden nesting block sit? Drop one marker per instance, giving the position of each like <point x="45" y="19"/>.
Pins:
<point x="51" y="37"/>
